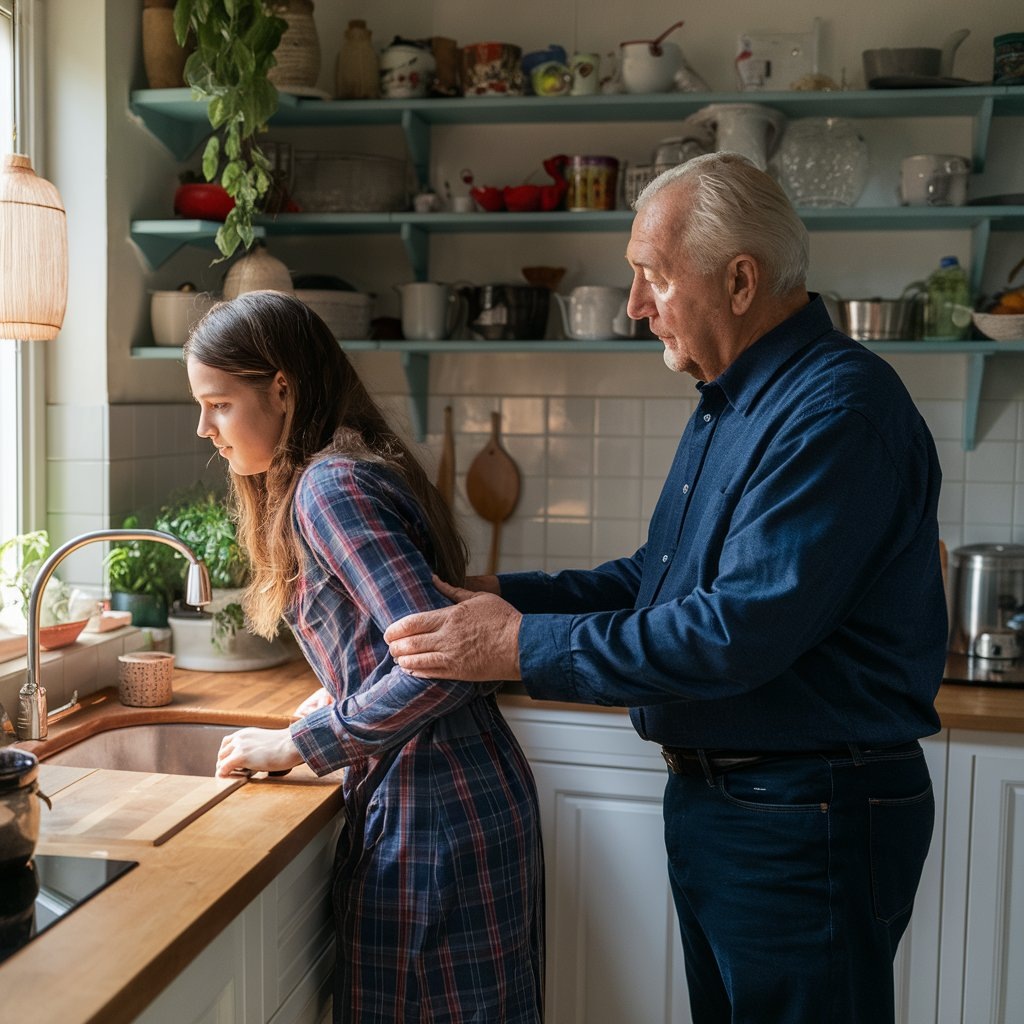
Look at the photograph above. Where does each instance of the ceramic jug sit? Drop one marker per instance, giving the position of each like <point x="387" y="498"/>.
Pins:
<point x="430" y="311"/>
<point x="746" y="128"/>
<point x="588" y="314"/>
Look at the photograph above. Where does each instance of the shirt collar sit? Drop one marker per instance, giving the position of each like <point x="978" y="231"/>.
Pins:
<point x="747" y="377"/>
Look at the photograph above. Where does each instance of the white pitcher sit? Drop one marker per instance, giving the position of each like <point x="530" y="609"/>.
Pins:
<point x="590" y="310"/>
<point x="747" y="128"/>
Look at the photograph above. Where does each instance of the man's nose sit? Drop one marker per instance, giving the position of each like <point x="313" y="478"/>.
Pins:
<point x="638" y="305"/>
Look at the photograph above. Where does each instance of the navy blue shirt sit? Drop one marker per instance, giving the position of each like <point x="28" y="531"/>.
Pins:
<point x="789" y="595"/>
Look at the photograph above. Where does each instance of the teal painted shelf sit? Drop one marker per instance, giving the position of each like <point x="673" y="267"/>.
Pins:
<point x="415" y="361"/>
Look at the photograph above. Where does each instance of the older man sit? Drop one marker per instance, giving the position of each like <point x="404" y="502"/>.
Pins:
<point x="781" y="634"/>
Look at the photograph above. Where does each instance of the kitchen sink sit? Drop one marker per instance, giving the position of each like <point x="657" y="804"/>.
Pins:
<point x="173" y="748"/>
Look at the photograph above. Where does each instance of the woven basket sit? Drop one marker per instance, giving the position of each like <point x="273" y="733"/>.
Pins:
<point x="347" y="314"/>
<point x="350" y="183"/>
<point x="298" y="53"/>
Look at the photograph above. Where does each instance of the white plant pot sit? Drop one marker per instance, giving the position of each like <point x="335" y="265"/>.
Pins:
<point x="192" y="641"/>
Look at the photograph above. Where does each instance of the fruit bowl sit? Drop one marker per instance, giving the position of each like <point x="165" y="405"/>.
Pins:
<point x="1000" y="326"/>
<point x="201" y="201"/>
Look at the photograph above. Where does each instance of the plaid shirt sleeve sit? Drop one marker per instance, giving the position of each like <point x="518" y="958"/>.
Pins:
<point x="358" y="526"/>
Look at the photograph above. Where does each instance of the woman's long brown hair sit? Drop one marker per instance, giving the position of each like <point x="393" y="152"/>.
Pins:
<point x="253" y="337"/>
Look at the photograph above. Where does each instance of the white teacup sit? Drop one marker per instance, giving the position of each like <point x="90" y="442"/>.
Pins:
<point x="643" y="71"/>
<point x="934" y="179"/>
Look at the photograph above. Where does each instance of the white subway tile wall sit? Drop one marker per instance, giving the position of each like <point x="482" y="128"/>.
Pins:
<point x="591" y="468"/>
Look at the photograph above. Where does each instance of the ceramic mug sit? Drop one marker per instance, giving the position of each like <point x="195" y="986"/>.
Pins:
<point x="644" y="69"/>
<point x="934" y="179"/>
<point x="429" y="311"/>
<point x="491" y="69"/>
<point x="552" y="78"/>
<point x="584" y="71"/>
<point x="406" y="72"/>
<point x="589" y="313"/>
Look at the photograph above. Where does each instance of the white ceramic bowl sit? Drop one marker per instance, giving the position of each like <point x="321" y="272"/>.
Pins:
<point x="644" y="72"/>
<point x="173" y="314"/>
<point x="1000" y="326"/>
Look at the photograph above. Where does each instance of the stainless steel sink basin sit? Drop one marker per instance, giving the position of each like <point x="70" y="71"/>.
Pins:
<point x="174" y="748"/>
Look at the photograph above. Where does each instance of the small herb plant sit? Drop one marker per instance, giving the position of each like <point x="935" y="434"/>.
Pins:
<point x="235" y="42"/>
<point x="144" y="567"/>
<point x="204" y="522"/>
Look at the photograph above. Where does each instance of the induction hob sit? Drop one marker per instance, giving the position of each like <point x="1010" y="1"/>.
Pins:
<point x="37" y="895"/>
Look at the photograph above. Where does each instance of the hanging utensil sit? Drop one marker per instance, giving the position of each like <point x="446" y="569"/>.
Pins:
<point x="446" y="462"/>
<point x="656" y="43"/>
<point x="492" y="486"/>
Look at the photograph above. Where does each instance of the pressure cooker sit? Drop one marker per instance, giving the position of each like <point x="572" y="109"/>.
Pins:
<point x="986" y="594"/>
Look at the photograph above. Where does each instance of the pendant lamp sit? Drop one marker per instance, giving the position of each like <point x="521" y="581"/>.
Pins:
<point x="33" y="254"/>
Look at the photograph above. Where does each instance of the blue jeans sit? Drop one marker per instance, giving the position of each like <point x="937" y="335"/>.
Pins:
<point x="793" y="880"/>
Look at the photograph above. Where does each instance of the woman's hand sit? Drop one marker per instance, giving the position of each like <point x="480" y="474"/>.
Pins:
<point x="313" y="702"/>
<point x="257" y="750"/>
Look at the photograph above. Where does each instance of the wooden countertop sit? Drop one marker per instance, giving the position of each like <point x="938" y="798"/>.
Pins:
<point x="110" y="957"/>
<point x="114" y="954"/>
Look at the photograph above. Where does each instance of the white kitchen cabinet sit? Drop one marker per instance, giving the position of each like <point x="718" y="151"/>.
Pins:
<point x="981" y="976"/>
<point x="613" y="948"/>
<point x="272" y="964"/>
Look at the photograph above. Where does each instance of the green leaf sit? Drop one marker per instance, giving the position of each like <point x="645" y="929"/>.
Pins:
<point x="211" y="158"/>
<point x="227" y="236"/>
<point x="182" y="19"/>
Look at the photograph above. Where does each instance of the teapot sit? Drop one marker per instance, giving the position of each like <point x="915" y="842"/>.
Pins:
<point x="589" y="313"/>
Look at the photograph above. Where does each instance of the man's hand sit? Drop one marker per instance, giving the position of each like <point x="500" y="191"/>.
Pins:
<point x="475" y="640"/>
<point x="312" y="703"/>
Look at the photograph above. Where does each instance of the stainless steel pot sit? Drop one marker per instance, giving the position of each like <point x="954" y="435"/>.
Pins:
<point x="986" y="591"/>
<point x="880" y="319"/>
<point x="507" y="312"/>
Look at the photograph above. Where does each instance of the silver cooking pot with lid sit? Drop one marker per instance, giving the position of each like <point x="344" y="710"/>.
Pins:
<point x="986" y="592"/>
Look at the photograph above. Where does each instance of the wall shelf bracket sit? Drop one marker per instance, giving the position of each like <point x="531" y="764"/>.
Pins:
<point x="417" y="373"/>
<point x="979" y="132"/>
<point x="417" y="138"/>
<point x="179" y="137"/>
<point x="975" y="376"/>
<point x="417" y="246"/>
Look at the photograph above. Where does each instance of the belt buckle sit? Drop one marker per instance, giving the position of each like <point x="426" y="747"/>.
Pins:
<point x="673" y="761"/>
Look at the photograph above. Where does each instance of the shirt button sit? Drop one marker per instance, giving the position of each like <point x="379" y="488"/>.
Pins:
<point x="686" y="488"/>
<point x="664" y="558"/>
<point x="707" y="417"/>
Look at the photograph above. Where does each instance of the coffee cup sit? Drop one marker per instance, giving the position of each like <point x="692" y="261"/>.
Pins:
<point x="934" y="179"/>
<point x="584" y="72"/>
<point x="430" y="311"/>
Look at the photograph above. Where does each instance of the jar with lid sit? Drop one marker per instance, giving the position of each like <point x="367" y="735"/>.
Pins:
<point x="592" y="182"/>
<point x="947" y="313"/>
<point x="1008" y="59"/>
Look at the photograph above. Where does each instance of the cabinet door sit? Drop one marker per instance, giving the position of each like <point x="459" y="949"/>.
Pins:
<point x="613" y="950"/>
<point x="916" y="970"/>
<point x="982" y="969"/>
<point x="212" y="989"/>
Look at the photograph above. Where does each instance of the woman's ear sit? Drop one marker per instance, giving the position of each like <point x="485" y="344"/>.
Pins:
<point x="743" y="277"/>
<point x="279" y="389"/>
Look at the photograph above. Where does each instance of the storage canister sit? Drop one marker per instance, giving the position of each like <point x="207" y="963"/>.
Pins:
<point x="1008" y="59"/>
<point x="986" y="590"/>
<point x="592" y="182"/>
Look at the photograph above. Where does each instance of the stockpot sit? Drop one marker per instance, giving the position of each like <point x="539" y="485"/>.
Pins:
<point x="986" y="591"/>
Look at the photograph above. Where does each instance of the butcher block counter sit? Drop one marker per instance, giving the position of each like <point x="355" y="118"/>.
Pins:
<point x="110" y="957"/>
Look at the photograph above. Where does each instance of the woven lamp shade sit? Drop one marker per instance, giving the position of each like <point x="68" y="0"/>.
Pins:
<point x="33" y="254"/>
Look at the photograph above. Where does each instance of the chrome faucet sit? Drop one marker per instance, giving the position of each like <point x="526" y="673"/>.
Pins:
<point x="31" y="722"/>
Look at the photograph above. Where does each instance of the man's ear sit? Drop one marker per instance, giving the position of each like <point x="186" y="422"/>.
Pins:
<point x="743" y="278"/>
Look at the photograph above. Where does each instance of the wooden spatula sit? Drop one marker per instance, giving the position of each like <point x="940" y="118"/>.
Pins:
<point x="492" y="486"/>
<point x="446" y="462"/>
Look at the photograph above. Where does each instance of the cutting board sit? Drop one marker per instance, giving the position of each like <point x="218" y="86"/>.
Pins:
<point x="130" y="806"/>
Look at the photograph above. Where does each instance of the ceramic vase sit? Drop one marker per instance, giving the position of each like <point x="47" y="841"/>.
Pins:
<point x="298" y="53"/>
<point x="357" y="74"/>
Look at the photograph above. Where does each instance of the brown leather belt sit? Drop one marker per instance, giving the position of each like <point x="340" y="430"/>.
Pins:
<point x="699" y="762"/>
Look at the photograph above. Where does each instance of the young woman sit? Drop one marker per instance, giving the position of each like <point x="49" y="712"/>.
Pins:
<point x="437" y="888"/>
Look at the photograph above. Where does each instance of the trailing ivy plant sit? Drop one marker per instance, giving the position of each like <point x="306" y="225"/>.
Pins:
<point x="234" y="42"/>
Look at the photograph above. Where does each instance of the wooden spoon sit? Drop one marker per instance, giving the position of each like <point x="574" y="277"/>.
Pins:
<point x="492" y="486"/>
<point x="446" y="462"/>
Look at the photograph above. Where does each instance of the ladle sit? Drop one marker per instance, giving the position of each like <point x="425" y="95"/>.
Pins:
<point x="492" y="486"/>
<point x="656" y="43"/>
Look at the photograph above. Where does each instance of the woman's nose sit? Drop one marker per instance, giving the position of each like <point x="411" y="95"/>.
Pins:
<point x="203" y="429"/>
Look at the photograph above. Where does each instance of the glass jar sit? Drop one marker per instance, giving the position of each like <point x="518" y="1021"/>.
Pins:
<point x="822" y="161"/>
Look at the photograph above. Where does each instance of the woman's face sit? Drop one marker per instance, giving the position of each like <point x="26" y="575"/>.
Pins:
<point x="243" y="422"/>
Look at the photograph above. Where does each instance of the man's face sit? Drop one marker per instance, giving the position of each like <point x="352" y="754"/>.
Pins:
<point x="689" y="312"/>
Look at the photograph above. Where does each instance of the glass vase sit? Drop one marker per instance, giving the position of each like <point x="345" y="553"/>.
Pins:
<point x="822" y="161"/>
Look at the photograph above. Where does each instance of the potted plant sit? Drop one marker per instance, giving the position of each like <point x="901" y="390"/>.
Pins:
<point x="214" y="638"/>
<point x="235" y="42"/>
<point x="144" y="578"/>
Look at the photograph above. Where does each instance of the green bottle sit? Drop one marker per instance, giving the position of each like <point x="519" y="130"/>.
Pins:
<point x="947" y="313"/>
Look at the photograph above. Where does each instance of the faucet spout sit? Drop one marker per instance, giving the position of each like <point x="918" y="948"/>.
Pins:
<point x="31" y="722"/>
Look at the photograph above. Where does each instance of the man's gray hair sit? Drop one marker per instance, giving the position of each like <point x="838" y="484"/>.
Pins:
<point x="735" y="207"/>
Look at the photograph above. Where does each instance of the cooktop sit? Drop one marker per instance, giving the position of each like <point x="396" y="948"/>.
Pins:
<point x="37" y="895"/>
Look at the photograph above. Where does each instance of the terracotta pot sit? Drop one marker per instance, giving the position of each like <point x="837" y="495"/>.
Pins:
<point x="162" y="57"/>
